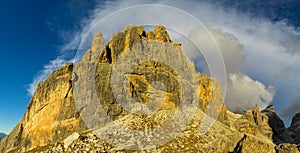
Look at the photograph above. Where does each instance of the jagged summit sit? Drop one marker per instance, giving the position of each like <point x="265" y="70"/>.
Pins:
<point x="78" y="101"/>
<point x="270" y="107"/>
<point x="130" y="35"/>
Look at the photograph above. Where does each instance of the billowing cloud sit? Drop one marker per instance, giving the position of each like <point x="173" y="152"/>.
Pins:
<point x="244" y="93"/>
<point x="256" y="51"/>
<point x="232" y="51"/>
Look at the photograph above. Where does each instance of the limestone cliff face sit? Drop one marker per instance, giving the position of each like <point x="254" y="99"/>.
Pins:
<point x="149" y="72"/>
<point x="86" y="97"/>
<point x="51" y="114"/>
<point x="254" y="122"/>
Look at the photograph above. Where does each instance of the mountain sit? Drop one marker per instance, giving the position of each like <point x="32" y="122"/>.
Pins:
<point x="294" y="129"/>
<point x="139" y="92"/>
<point x="2" y="135"/>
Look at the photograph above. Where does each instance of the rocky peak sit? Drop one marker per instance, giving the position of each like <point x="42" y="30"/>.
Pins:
<point x="130" y="35"/>
<point x="270" y="108"/>
<point x="55" y="120"/>
<point x="296" y="121"/>
<point x="254" y="122"/>
<point x="161" y="34"/>
<point x="280" y="134"/>
<point x="93" y="53"/>
<point x="294" y="129"/>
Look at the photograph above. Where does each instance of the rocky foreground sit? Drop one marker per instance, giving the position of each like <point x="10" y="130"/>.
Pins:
<point x="64" y="115"/>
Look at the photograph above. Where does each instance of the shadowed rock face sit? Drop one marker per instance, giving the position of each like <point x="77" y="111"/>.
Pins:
<point x="280" y="133"/>
<point x="294" y="129"/>
<point x="79" y="99"/>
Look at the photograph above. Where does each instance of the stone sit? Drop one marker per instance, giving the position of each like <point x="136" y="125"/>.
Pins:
<point x="254" y="122"/>
<point x="71" y="139"/>
<point x="161" y="34"/>
<point x="287" y="148"/>
<point x="254" y="145"/>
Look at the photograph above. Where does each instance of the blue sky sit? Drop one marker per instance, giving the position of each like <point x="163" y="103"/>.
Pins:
<point x="30" y="37"/>
<point x="26" y="44"/>
<point x="34" y="33"/>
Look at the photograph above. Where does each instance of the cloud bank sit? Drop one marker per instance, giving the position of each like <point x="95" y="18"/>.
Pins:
<point x="244" y="92"/>
<point x="260" y="56"/>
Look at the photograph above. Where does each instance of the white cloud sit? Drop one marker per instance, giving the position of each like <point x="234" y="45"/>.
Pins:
<point x="242" y="93"/>
<point x="73" y="39"/>
<point x="245" y="93"/>
<point x="232" y="51"/>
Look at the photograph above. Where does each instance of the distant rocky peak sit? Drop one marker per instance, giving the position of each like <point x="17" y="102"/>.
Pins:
<point x="296" y="120"/>
<point x="254" y="122"/>
<point x="280" y="133"/>
<point x="270" y="107"/>
<point x="294" y="129"/>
